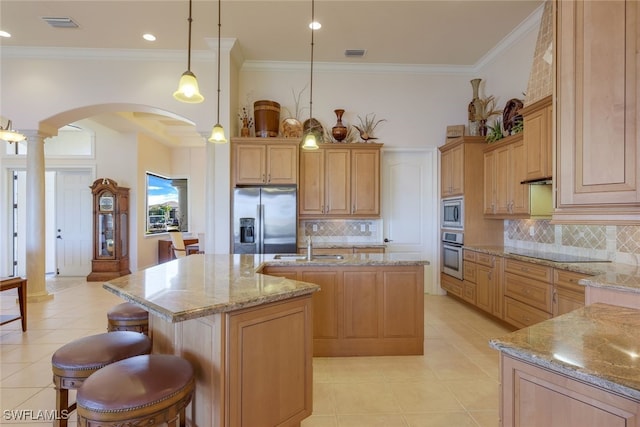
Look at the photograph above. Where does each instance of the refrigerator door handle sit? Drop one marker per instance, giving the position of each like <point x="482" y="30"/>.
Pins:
<point x="261" y="216"/>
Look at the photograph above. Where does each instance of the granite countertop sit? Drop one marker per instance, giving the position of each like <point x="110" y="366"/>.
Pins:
<point x="598" y="344"/>
<point x="303" y="245"/>
<point x="622" y="277"/>
<point x="400" y="258"/>
<point x="200" y="285"/>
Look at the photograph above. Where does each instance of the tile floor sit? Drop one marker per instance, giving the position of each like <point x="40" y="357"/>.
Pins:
<point x="455" y="384"/>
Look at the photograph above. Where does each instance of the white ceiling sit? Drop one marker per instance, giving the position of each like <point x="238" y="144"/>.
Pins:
<point x="417" y="32"/>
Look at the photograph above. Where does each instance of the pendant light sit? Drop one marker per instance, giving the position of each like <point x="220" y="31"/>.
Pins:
<point x="309" y="141"/>
<point x="217" y="133"/>
<point x="11" y="135"/>
<point x="188" y="87"/>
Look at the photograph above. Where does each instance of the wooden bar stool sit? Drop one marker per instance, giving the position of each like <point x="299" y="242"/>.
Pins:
<point x="128" y="317"/>
<point x="20" y="284"/>
<point x="142" y="390"/>
<point x="74" y="362"/>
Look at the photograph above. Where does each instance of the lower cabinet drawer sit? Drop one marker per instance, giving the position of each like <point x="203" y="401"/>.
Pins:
<point x="469" y="292"/>
<point x="529" y="291"/>
<point x="522" y="315"/>
<point x="451" y="285"/>
<point x="469" y="271"/>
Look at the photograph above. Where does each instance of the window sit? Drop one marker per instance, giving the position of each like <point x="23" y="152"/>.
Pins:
<point x="166" y="204"/>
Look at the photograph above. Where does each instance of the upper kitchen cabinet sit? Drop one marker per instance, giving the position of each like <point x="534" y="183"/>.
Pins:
<point x="504" y="195"/>
<point x="597" y="112"/>
<point x="340" y="181"/>
<point x="264" y="161"/>
<point x="538" y="134"/>
<point x="452" y="160"/>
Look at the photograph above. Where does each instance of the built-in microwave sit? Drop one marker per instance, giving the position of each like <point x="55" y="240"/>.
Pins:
<point x="453" y="213"/>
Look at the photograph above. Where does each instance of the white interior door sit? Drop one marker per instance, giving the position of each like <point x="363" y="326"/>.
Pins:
<point x="409" y="206"/>
<point x="74" y="223"/>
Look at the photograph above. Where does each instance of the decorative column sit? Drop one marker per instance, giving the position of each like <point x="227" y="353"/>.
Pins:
<point x="35" y="217"/>
<point x="209" y="197"/>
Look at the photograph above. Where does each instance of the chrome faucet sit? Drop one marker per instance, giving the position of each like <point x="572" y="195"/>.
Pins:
<point x="309" y="249"/>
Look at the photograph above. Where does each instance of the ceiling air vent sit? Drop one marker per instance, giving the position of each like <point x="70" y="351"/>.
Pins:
<point x="354" y="53"/>
<point x="64" y="22"/>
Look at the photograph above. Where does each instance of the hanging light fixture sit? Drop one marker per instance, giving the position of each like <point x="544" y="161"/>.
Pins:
<point x="309" y="141"/>
<point x="10" y="135"/>
<point x="217" y="133"/>
<point x="188" y="87"/>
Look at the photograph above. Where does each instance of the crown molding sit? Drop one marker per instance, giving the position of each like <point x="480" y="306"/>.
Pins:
<point x="103" y="54"/>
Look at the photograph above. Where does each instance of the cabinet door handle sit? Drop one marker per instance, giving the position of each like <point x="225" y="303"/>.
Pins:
<point x="269" y="178"/>
<point x="263" y="178"/>
<point x="353" y="209"/>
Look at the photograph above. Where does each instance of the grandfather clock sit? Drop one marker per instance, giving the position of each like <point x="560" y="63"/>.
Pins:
<point x="110" y="231"/>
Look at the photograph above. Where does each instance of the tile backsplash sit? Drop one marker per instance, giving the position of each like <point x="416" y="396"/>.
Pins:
<point x="338" y="231"/>
<point x="619" y="243"/>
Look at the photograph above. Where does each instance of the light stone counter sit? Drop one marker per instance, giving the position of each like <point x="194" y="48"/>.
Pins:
<point x="598" y="344"/>
<point x="201" y="285"/>
<point x="610" y="275"/>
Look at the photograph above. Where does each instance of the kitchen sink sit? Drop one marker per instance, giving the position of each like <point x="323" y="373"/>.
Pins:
<point x="301" y="257"/>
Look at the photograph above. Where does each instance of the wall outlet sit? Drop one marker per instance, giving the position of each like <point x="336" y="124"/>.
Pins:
<point x="372" y="227"/>
<point x="315" y="227"/>
<point x="363" y="228"/>
<point x="532" y="231"/>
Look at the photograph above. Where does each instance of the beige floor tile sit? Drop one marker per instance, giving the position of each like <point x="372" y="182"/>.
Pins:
<point x="374" y="420"/>
<point x="477" y="394"/>
<point x="323" y="400"/>
<point x="12" y="397"/>
<point x="441" y="419"/>
<point x="486" y="418"/>
<point x="424" y="396"/>
<point x="364" y="398"/>
<point x="320" y="421"/>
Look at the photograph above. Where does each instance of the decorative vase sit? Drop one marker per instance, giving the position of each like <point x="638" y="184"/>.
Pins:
<point x="244" y="131"/>
<point x="472" y="109"/>
<point x="339" y="131"/>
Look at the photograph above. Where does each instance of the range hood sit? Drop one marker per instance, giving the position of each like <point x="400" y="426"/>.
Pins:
<point x="539" y="181"/>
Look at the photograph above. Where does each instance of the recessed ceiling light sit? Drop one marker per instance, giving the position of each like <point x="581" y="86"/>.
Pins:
<point x="149" y="37"/>
<point x="315" y="25"/>
<point x="4" y="34"/>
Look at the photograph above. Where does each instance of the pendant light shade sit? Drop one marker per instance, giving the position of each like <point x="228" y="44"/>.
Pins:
<point x="11" y="135"/>
<point x="309" y="141"/>
<point x="217" y="133"/>
<point x="188" y="86"/>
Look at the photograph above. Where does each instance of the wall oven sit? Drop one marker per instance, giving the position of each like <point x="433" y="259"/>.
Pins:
<point x="453" y="213"/>
<point x="452" y="253"/>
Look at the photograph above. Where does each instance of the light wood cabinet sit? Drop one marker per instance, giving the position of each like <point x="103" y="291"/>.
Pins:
<point x="597" y="137"/>
<point x="461" y="173"/>
<point x="264" y="161"/>
<point x="534" y="396"/>
<point x="363" y="311"/>
<point x="485" y="272"/>
<point x="537" y="135"/>
<point x="568" y="295"/>
<point x="340" y="182"/>
<point x="452" y="285"/>
<point x="269" y="346"/>
<point x="528" y="293"/>
<point x="452" y="162"/>
<point x="504" y="195"/>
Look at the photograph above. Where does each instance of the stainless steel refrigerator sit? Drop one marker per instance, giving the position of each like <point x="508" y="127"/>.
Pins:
<point x="264" y="220"/>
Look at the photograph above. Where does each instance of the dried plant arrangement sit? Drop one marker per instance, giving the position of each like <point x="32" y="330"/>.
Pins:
<point x="486" y="107"/>
<point x="368" y="126"/>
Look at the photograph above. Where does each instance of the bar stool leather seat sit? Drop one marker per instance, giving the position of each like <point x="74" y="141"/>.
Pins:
<point x="128" y="317"/>
<point x="142" y="390"/>
<point x="74" y="362"/>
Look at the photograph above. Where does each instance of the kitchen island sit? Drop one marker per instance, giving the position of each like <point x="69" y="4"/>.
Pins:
<point x="369" y="304"/>
<point x="248" y="336"/>
<point x="578" y="369"/>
